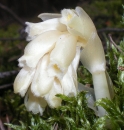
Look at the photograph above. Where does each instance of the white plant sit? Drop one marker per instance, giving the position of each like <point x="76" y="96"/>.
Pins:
<point x="51" y="59"/>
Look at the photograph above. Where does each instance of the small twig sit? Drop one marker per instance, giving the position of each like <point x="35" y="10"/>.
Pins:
<point x="7" y="119"/>
<point x="1" y="125"/>
<point x="110" y="37"/>
<point x="12" y="39"/>
<point x="6" y="86"/>
<point x="8" y="74"/>
<point x="111" y="47"/>
<point x="12" y="14"/>
<point x="55" y="126"/>
<point x="111" y="30"/>
<point x="121" y="68"/>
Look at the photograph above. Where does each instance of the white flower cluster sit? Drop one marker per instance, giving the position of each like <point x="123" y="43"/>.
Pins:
<point x="51" y="58"/>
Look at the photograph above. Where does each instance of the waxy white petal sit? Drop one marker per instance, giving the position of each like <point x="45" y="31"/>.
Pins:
<point x="42" y="83"/>
<point x="51" y="99"/>
<point x="41" y="45"/>
<point x="63" y="53"/>
<point x="35" y="29"/>
<point x="34" y="104"/>
<point x="69" y="80"/>
<point x="23" y="80"/>
<point x="46" y="16"/>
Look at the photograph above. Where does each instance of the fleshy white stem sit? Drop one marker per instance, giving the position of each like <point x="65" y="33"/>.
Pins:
<point x="101" y="88"/>
<point x="93" y="58"/>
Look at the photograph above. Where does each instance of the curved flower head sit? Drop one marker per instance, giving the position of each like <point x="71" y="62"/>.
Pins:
<point x="48" y="65"/>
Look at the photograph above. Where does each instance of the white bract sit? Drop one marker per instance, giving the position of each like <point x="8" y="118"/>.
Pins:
<point x="51" y="58"/>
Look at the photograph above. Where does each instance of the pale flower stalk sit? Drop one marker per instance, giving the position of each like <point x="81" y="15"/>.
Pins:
<point x="50" y="60"/>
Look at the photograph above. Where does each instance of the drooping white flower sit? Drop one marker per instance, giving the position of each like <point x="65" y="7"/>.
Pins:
<point x="51" y="58"/>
